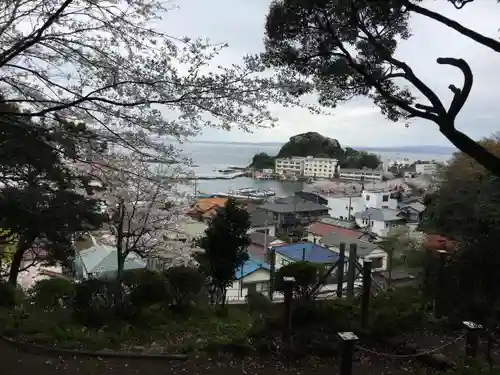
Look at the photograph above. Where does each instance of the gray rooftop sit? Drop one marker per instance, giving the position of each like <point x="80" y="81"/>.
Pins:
<point x="335" y="239"/>
<point x="417" y="206"/>
<point x="259" y="218"/>
<point x="380" y="214"/>
<point x="292" y="204"/>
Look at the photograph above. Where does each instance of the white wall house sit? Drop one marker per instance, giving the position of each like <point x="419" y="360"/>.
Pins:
<point x="293" y="166"/>
<point x="361" y="174"/>
<point x="427" y="168"/>
<point x="379" y="221"/>
<point x="344" y="206"/>
<point x="377" y="198"/>
<point x="320" y="167"/>
<point x="253" y="275"/>
<point x="261" y="222"/>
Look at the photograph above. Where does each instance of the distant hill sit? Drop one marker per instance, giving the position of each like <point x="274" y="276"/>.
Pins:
<point x="316" y="145"/>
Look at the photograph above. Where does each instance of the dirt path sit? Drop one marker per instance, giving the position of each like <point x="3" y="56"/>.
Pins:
<point x="14" y="362"/>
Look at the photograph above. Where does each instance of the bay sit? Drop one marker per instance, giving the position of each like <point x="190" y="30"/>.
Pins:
<point x="209" y="157"/>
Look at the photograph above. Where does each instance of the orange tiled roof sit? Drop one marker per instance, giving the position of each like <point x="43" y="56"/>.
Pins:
<point x="207" y="204"/>
<point x="436" y="242"/>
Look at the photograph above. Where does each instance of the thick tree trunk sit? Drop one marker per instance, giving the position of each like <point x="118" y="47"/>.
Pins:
<point x="17" y="259"/>
<point x="472" y="148"/>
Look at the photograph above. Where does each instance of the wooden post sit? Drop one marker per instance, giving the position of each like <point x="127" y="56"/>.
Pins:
<point x="367" y="286"/>
<point x="348" y="341"/>
<point x="272" y="271"/>
<point x="340" y="270"/>
<point x="287" y="314"/>
<point x="351" y="271"/>
<point x="439" y="299"/>
<point x="471" y="338"/>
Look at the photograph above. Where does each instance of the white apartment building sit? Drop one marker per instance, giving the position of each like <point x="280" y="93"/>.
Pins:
<point x="319" y="167"/>
<point x="428" y="168"/>
<point x="289" y="166"/>
<point x="361" y="174"/>
<point x="308" y="167"/>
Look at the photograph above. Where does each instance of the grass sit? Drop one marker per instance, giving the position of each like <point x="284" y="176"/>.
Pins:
<point x="155" y="331"/>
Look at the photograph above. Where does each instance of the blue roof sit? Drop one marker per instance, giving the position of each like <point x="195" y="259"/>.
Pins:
<point x="251" y="265"/>
<point x="313" y="253"/>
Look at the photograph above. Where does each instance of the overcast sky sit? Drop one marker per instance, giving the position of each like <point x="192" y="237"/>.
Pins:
<point x="358" y="122"/>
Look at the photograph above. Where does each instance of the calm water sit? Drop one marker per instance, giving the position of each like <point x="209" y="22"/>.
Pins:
<point x="210" y="156"/>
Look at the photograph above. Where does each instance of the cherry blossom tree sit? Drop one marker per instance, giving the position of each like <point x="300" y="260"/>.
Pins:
<point x="143" y="207"/>
<point x="109" y="64"/>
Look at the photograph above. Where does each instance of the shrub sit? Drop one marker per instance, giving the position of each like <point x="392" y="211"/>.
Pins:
<point x="258" y="304"/>
<point x="145" y="288"/>
<point x="94" y="302"/>
<point x="306" y="276"/>
<point x="184" y="284"/>
<point x="396" y="311"/>
<point x="53" y="293"/>
<point x="8" y="295"/>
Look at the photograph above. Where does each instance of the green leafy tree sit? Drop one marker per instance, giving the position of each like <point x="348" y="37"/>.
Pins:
<point x="262" y="161"/>
<point x="342" y="49"/>
<point x="225" y="248"/>
<point x="42" y="200"/>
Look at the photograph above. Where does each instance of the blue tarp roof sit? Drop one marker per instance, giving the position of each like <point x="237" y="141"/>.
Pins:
<point x="251" y="265"/>
<point x="313" y="253"/>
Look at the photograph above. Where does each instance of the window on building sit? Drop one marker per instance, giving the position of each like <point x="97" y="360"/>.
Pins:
<point x="385" y="198"/>
<point x="262" y="287"/>
<point x="372" y="223"/>
<point x="367" y="197"/>
<point x="387" y="225"/>
<point x="377" y="262"/>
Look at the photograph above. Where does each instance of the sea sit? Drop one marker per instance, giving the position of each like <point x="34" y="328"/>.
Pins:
<point x="209" y="157"/>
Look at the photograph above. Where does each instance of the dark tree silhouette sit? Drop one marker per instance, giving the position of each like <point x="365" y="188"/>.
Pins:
<point x="345" y="48"/>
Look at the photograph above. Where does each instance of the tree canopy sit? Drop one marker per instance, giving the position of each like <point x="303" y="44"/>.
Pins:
<point x="107" y="63"/>
<point x="342" y="49"/>
<point x="466" y="209"/>
<point x="42" y="200"/>
<point x="225" y="247"/>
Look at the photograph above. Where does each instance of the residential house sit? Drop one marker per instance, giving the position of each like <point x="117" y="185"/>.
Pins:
<point x="380" y="221"/>
<point x="206" y="208"/>
<point x="316" y="231"/>
<point x="312" y="196"/>
<point x="187" y="230"/>
<point x="260" y="243"/>
<point x="101" y="261"/>
<point x="379" y="198"/>
<point x="304" y="251"/>
<point x="364" y="250"/>
<point x="253" y="275"/>
<point x="261" y="222"/>
<point x="343" y="205"/>
<point x="292" y="211"/>
<point x="414" y="211"/>
<point x="310" y="252"/>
